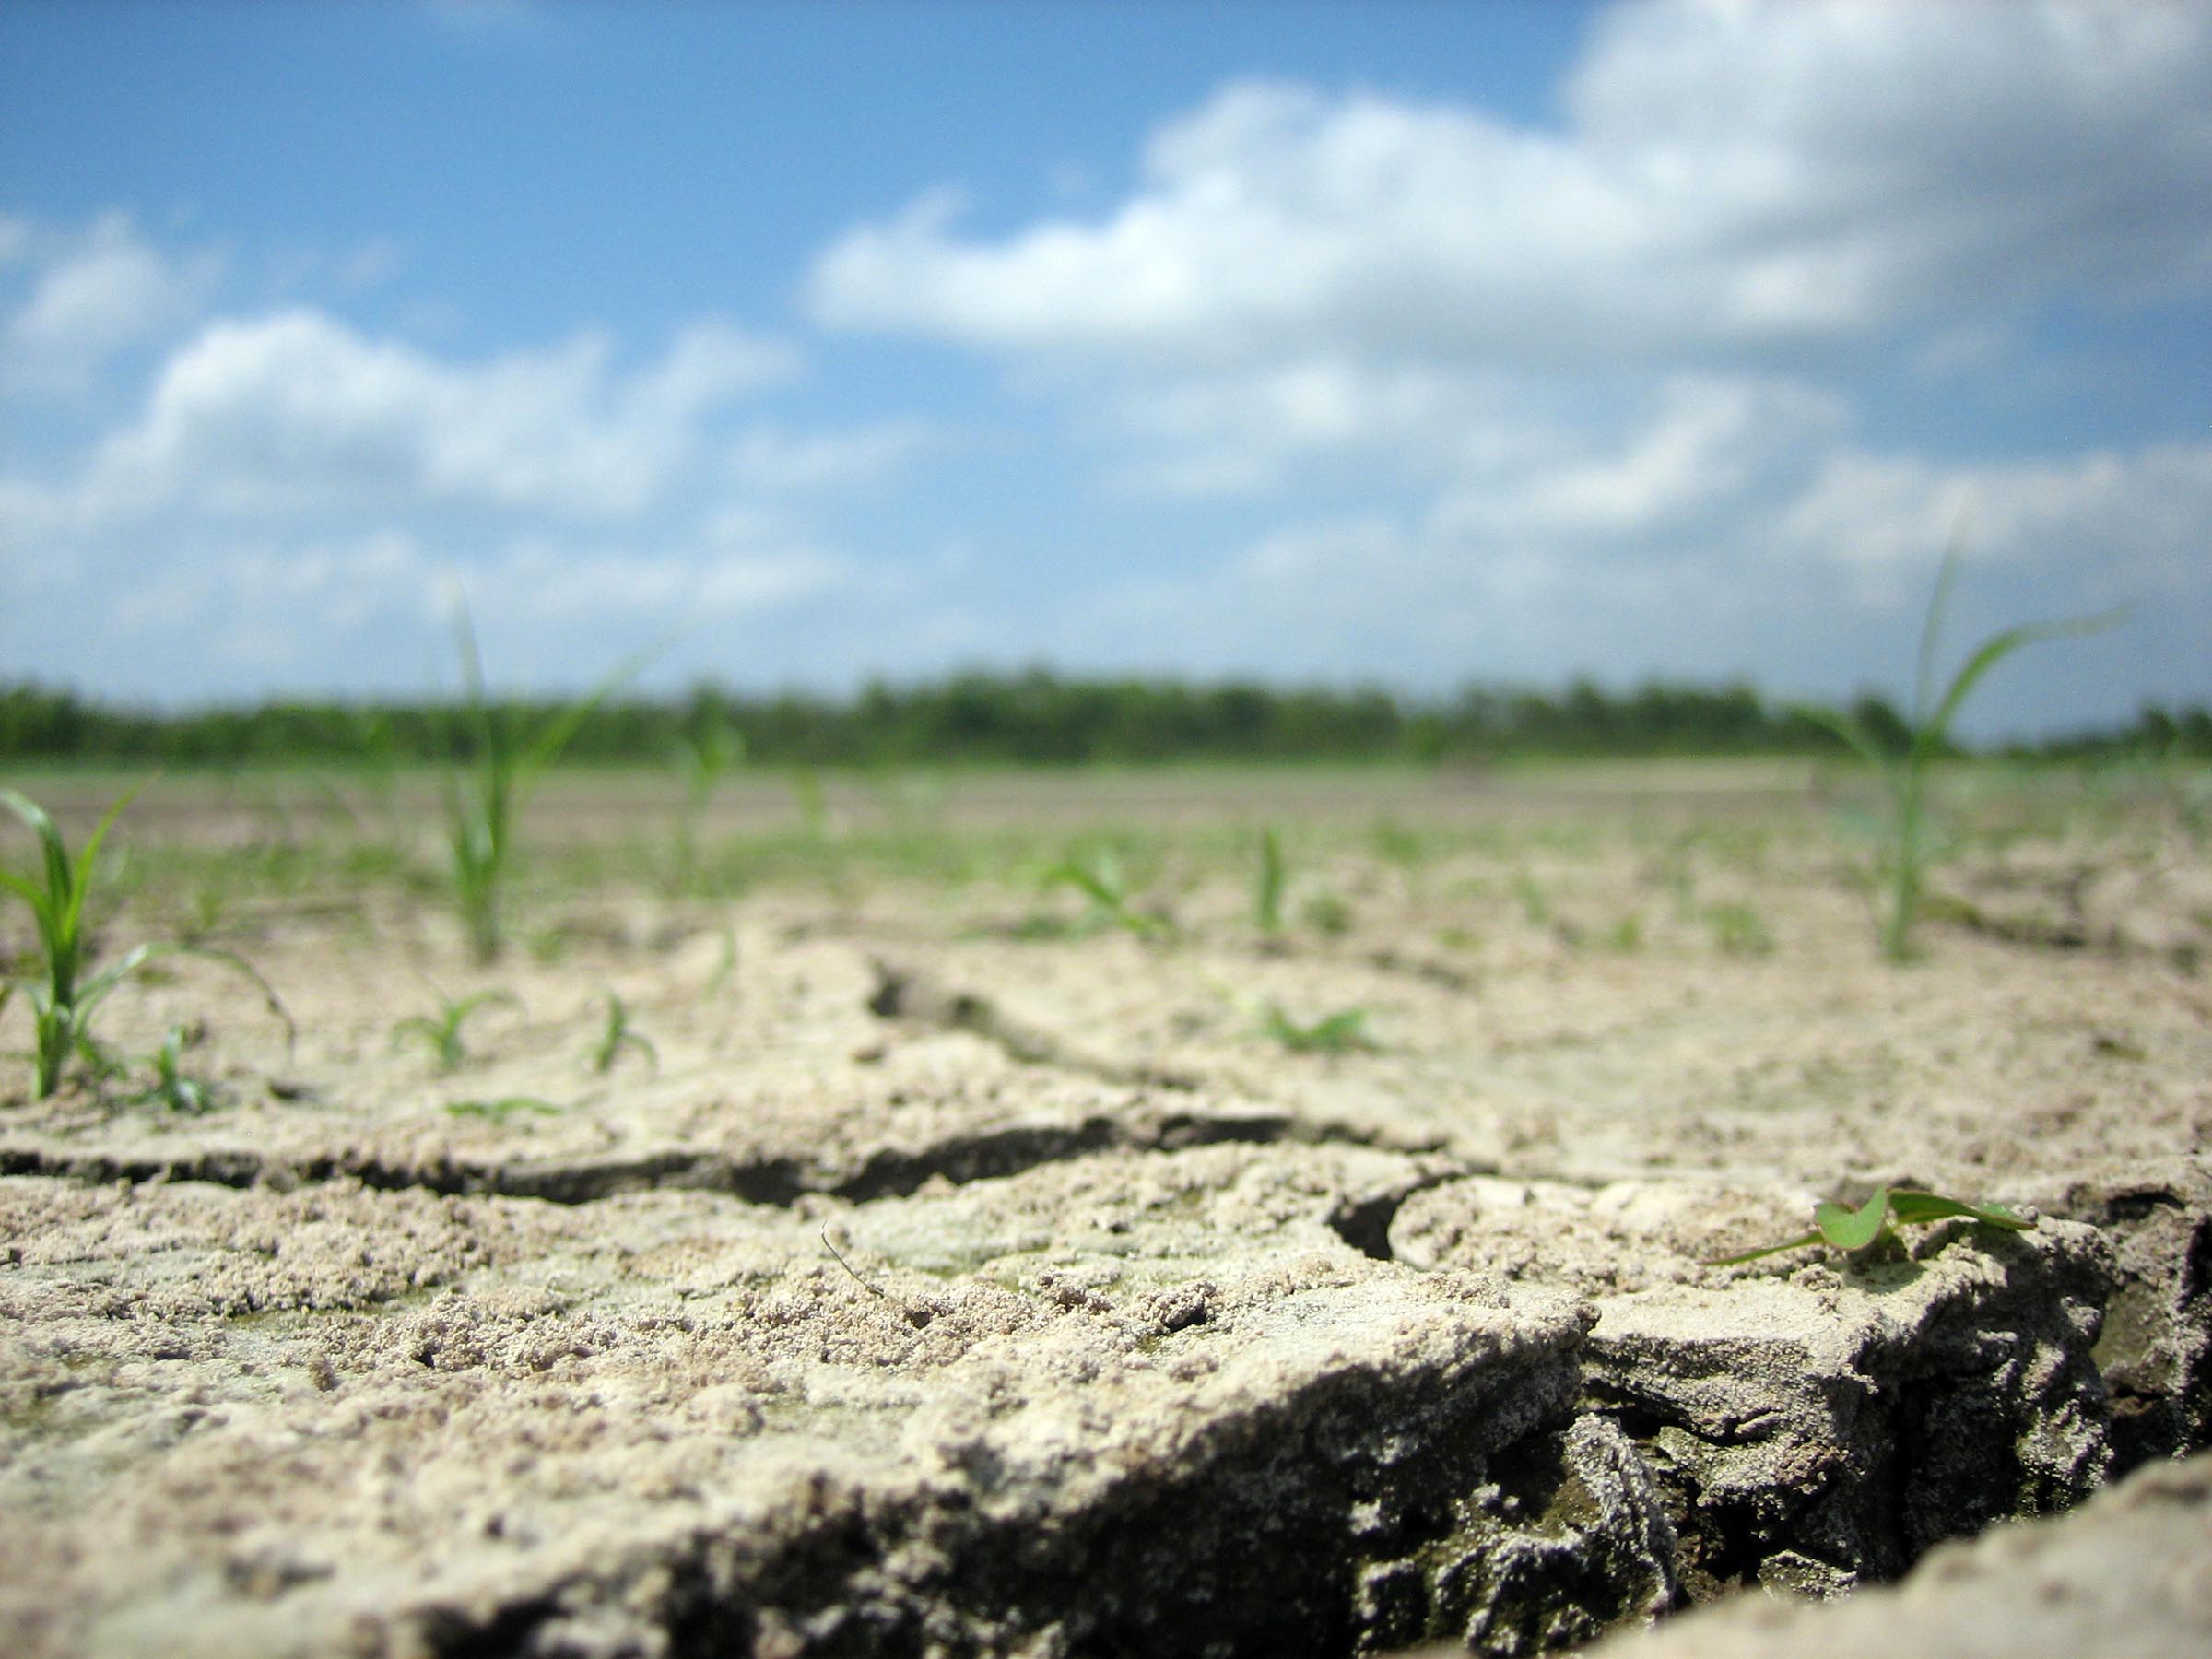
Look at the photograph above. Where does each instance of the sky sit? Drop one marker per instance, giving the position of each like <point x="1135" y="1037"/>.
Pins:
<point x="1415" y="344"/>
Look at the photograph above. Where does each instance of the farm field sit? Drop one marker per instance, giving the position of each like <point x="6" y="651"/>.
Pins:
<point x="1195" y="1211"/>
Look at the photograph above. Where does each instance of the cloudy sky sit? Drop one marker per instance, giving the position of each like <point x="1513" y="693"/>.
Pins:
<point x="1413" y="343"/>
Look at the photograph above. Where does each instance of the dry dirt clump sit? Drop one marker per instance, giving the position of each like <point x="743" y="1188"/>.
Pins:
<point x="968" y="1269"/>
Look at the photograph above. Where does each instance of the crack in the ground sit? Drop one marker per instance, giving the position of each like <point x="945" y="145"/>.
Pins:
<point x="1364" y="1222"/>
<point x="775" y="1180"/>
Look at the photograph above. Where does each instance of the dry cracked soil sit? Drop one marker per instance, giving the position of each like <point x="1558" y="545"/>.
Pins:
<point x="958" y="1267"/>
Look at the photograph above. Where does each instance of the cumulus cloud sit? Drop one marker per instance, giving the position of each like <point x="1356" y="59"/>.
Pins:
<point x="1253" y="428"/>
<point x="297" y="411"/>
<point x="95" y="294"/>
<point x="767" y="457"/>
<point x="2128" y="524"/>
<point x="1580" y="376"/>
<point x="272" y="606"/>
<point x="1686" y="458"/>
<point x="1732" y="179"/>
<point x="1841" y="533"/>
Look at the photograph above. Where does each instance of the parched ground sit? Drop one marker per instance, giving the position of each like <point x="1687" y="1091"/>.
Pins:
<point x="959" y="1265"/>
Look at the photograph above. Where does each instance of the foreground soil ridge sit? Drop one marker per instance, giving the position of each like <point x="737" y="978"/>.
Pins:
<point x="1129" y="1401"/>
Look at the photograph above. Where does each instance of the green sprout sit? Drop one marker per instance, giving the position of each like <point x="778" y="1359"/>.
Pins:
<point x="1325" y="913"/>
<point x="442" y="1035"/>
<point x="63" y="993"/>
<point x="1099" y="879"/>
<point x="1342" y="1032"/>
<point x="1739" y="930"/>
<point x="1929" y="735"/>
<point x="701" y="761"/>
<point x="1625" y="937"/>
<point x="1850" y="1230"/>
<point x="1535" y="905"/>
<point x="617" y="1036"/>
<point x="480" y="810"/>
<point x="1268" y="884"/>
<point x="506" y="1106"/>
<point x="171" y="1085"/>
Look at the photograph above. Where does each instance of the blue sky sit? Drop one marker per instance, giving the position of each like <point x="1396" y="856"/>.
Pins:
<point x="1420" y="343"/>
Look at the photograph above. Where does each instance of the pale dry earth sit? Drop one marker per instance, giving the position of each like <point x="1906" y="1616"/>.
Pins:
<point x="961" y="1274"/>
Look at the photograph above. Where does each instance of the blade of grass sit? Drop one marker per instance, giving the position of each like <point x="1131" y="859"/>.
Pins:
<point x="62" y="999"/>
<point x="481" y="829"/>
<point x="1911" y="1207"/>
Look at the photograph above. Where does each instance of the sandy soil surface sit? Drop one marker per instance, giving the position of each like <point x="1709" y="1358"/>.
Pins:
<point x="1542" y="1047"/>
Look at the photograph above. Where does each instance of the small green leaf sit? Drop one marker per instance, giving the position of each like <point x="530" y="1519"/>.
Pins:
<point x="1854" y="1229"/>
<point x="500" y="1110"/>
<point x="1337" y="1034"/>
<point x="1913" y="1206"/>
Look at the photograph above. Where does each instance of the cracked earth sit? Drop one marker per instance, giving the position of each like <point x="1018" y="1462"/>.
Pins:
<point x="963" y="1274"/>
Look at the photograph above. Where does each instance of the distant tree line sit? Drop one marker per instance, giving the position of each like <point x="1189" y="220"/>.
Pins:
<point x="1032" y="718"/>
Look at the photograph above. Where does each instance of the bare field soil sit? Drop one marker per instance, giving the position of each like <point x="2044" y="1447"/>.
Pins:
<point x="924" y="1159"/>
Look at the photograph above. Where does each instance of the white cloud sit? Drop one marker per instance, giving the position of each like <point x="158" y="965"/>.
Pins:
<point x="1697" y="451"/>
<point x="717" y="577"/>
<point x="1733" y="178"/>
<point x="1254" y="429"/>
<point x="375" y="605"/>
<point x="1787" y="571"/>
<point x="767" y="457"/>
<point x="96" y="294"/>
<point x="2112" y="526"/>
<point x="297" y="412"/>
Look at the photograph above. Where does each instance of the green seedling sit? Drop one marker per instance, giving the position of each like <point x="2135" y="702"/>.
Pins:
<point x="1267" y="886"/>
<point x="616" y="1036"/>
<point x="498" y="1110"/>
<point x="442" y="1034"/>
<point x="701" y="761"/>
<point x="172" y="1087"/>
<point x="1325" y="913"/>
<point x="1535" y="905"/>
<point x="481" y="804"/>
<point x="1343" y="1033"/>
<point x="1625" y="937"/>
<point x="1849" y="1230"/>
<point x="1099" y="879"/>
<point x="1739" y="930"/>
<point x="63" y="993"/>
<point x="1928" y="736"/>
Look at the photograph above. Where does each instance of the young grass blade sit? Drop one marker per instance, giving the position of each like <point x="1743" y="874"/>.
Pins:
<point x="1764" y="1250"/>
<point x="1854" y="1229"/>
<point x="1906" y="778"/>
<point x="1267" y="897"/>
<point x="442" y="1035"/>
<point x="1996" y="649"/>
<point x="139" y="955"/>
<point x="617" y="1036"/>
<point x="506" y="1106"/>
<point x="1853" y="734"/>
<point x="481" y="830"/>
<point x="1337" y="1034"/>
<point x="61" y="1007"/>
<point x="1913" y="1206"/>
